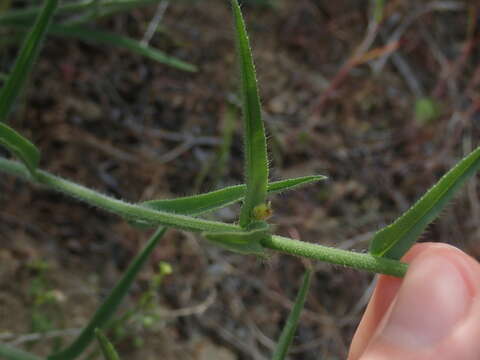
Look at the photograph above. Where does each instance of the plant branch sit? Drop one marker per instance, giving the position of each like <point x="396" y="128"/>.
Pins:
<point x="137" y="212"/>
<point x="336" y="256"/>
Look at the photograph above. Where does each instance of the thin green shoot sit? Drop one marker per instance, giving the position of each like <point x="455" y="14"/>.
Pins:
<point x="290" y="327"/>
<point x="108" y="350"/>
<point x="26" y="58"/>
<point x="104" y="313"/>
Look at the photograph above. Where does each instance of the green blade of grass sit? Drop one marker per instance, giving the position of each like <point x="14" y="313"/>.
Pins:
<point x="394" y="240"/>
<point x="290" y="327"/>
<point x="14" y="83"/>
<point x="29" y="13"/>
<point x="111" y="303"/>
<point x="20" y="147"/>
<point x="107" y="38"/>
<point x="89" y="35"/>
<point x="256" y="159"/>
<point x="199" y="204"/>
<point x="108" y="350"/>
<point x="10" y="353"/>
<point x="26" y="58"/>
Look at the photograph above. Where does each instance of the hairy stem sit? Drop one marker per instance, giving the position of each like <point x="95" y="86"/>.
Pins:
<point x="336" y="256"/>
<point x="136" y="212"/>
<point x="116" y="206"/>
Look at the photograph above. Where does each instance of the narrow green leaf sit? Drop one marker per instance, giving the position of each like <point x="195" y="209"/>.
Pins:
<point x="20" y="147"/>
<point x="110" y="6"/>
<point x="199" y="204"/>
<point x="111" y="303"/>
<point x="10" y="353"/>
<point x="244" y="242"/>
<point x="107" y="38"/>
<point x="291" y="326"/>
<point x="394" y="240"/>
<point x="108" y="350"/>
<point x="256" y="159"/>
<point x="26" y="58"/>
<point x="89" y="35"/>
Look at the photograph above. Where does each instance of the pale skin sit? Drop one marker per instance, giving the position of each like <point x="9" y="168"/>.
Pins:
<point x="432" y="313"/>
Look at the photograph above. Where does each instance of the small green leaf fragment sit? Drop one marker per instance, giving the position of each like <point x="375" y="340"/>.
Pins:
<point x="290" y="327"/>
<point x="108" y="350"/>
<point x="20" y="147"/>
<point x="256" y="159"/>
<point x="394" y="240"/>
<point x="242" y="242"/>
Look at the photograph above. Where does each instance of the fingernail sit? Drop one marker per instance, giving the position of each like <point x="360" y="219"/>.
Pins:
<point x="433" y="298"/>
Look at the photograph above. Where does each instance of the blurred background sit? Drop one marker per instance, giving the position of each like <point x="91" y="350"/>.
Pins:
<point x="381" y="96"/>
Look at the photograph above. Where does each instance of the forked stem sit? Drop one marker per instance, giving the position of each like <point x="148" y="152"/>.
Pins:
<point x="131" y="211"/>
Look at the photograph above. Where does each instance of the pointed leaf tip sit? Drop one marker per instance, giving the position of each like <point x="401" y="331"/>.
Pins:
<point x="256" y="159"/>
<point x="394" y="240"/>
<point x="290" y="327"/>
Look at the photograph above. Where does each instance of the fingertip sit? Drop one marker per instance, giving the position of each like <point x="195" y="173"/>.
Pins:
<point x="435" y="298"/>
<point x="387" y="288"/>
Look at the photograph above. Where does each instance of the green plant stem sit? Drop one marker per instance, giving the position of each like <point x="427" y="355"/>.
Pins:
<point x="119" y="207"/>
<point x="136" y="212"/>
<point x="336" y="256"/>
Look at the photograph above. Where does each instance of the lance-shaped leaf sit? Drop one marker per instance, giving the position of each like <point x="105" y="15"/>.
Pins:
<point x="256" y="160"/>
<point x="244" y="242"/>
<point x="108" y="350"/>
<point x="394" y="240"/>
<point x="290" y="327"/>
<point x="26" y="58"/>
<point x="20" y="147"/>
<point x="111" y="303"/>
<point x="199" y="204"/>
